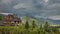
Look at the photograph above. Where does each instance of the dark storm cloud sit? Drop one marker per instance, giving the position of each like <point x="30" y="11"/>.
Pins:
<point x="32" y="7"/>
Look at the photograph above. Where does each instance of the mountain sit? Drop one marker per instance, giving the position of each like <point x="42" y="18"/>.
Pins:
<point x="30" y="18"/>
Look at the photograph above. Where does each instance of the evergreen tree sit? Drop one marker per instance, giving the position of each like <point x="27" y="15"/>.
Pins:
<point x="33" y="24"/>
<point x="27" y="25"/>
<point x="40" y="31"/>
<point x="0" y="17"/>
<point x="46" y="25"/>
<point x="41" y="27"/>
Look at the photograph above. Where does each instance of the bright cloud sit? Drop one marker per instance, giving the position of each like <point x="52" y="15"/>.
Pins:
<point x="22" y="5"/>
<point x="54" y="6"/>
<point x="6" y="1"/>
<point x="45" y="1"/>
<point x="6" y="13"/>
<point x="54" y="17"/>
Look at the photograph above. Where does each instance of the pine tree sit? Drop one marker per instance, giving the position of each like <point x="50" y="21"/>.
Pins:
<point x="33" y="24"/>
<point x="27" y="25"/>
<point x="46" y="27"/>
<point x="0" y="17"/>
<point x="40" y="31"/>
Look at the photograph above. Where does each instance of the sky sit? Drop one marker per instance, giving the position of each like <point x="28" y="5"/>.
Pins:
<point x="36" y="8"/>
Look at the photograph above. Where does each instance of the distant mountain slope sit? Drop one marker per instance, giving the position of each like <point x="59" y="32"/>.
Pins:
<point x="29" y="19"/>
<point x="37" y="20"/>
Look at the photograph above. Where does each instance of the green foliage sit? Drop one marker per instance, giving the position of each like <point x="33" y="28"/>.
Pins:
<point x="26" y="29"/>
<point x="26" y="25"/>
<point x="33" y="24"/>
<point x="55" y="30"/>
<point x="46" y="25"/>
<point x="0" y="17"/>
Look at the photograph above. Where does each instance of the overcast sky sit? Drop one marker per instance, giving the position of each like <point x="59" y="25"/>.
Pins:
<point x="37" y="8"/>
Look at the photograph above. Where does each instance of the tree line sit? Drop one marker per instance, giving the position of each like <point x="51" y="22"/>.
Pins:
<point x="29" y="29"/>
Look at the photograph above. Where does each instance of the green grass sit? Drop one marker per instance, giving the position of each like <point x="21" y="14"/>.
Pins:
<point x="22" y="30"/>
<point x="30" y="27"/>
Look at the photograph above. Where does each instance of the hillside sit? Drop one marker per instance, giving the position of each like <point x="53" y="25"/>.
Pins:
<point x="29" y="19"/>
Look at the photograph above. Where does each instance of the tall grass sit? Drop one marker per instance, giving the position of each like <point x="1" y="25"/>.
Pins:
<point x="24" y="29"/>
